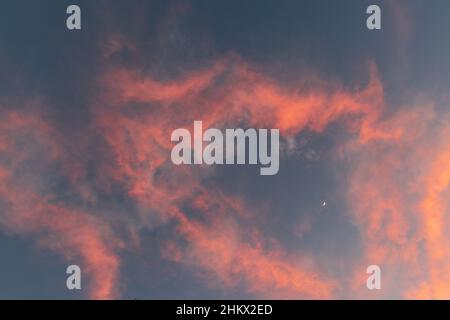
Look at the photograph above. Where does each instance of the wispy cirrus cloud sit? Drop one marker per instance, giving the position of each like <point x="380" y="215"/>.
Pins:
<point x="92" y="194"/>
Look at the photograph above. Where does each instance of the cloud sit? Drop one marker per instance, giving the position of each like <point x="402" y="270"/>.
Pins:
<point x="137" y="113"/>
<point x="76" y="193"/>
<point x="385" y="153"/>
<point x="29" y="206"/>
<point x="397" y="190"/>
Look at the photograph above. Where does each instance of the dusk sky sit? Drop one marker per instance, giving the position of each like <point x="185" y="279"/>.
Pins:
<point x="86" y="176"/>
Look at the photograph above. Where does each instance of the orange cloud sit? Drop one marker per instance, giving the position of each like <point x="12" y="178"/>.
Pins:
<point x="229" y="92"/>
<point x="397" y="194"/>
<point x="397" y="186"/>
<point x="386" y="155"/>
<point x="79" y="236"/>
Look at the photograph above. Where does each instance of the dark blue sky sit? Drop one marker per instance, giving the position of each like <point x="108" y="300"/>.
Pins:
<point x="300" y="46"/>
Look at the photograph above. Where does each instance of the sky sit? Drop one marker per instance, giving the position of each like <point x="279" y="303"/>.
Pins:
<point x="86" y="176"/>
